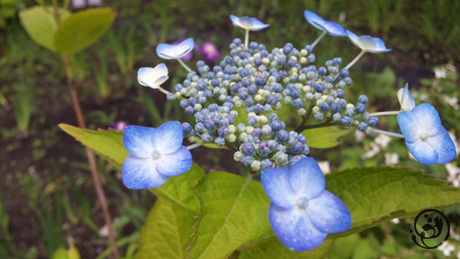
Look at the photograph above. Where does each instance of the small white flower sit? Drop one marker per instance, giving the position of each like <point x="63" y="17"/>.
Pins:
<point x="440" y="73"/>
<point x="391" y="159"/>
<point x="382" y="140"/>
<point x="446" y="248"/>
<point x="452" y="101"/>
<point x="153" y="77"/>
<point x="325" y="166"/>
<point x="359" y="135"/>
<point x="395" y="220"/>
<point x="374" y="151"/>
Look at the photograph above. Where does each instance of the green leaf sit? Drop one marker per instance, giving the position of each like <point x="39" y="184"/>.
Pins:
<point x="272" y="248"/>
<point x="178" y="189"/>
<point x="242" y="116"/>
<point x="214" y="146"/>
<point x="234" y="212"/>
<point x="41" y="25"/>
<point x="378" y="194"/>
<point x="71" y="36"/>
<point x="283" y="112"/>
<point x="344" y="247"/>
<point x="324" y="137"/>
<point x="166" y="232"/>
<point x="108" y="144"/>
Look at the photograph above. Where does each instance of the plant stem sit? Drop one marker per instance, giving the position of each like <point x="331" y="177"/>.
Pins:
<point x="91" y="159"/>
<point x="385" y="113"/>
<point x="356" y="59"/>
<point x="391" y="134"/>
<point x="246" y="38"/>
<point x="318" y="39"/>
<point x="305" y="118"/>
<point x="184" y="65"/>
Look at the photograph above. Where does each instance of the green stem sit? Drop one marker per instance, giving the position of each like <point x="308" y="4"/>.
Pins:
<point x="306" y="117"/>
<point x="318" y="39"/>
<point x="246" y="38"/>
<point x="184" y="65"/>
<point x="356" y="59"/>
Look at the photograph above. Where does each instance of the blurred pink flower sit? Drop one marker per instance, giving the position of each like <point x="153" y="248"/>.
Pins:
<point x="119" y="125"/>
<point x="210" y="51"/>
<point x="82" y="3"/>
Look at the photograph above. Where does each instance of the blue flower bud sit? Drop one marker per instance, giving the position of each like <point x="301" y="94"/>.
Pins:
<point x="277" y="125"/>
<point x="283" y="135"/>
<point x="348" y="81"/>
<point x="224" y="122"/>
<point x="216" y="119"/>
<point x="235" y="88"/>
<point x="319" y="87"/>
<point x="363" y="99"/>
<point x="211" y="75"/>
<point x="260" y="80"/>
<point x="294" y="159"/>
<point x="248" y="139"/>
<point x="266" y="130"/>
<point x="298" y="103"/>
<point x="322" y="71"/>
<point x="336" y="107"/>
<point x="170" y="96"/>
<point x="360" y="108"/>
<point x="257" y="132"/>
<point x="306" y="150"/>
<point x="186" y="128"/>
<point x="266" y="163"/>
<point x="253" y="45"/>
<point x="249" y="101"/>
<point x="208" y="94"/>
<point x="200" y="63"/>
<point x="199" y="117"/>
<point x="219" y="141"/>
<point x="264" y="53"/>
<point x="264" y="149"/>
<point x="234" y="52"/>
<point x="281" y="148"/>
<point x="273" y="117"/>
<point x="308" y="48"/>
<point x="349" y="112"/>
<point x="192" y="101"/>
<point x="344" y="72"/>
<point x="247" y="148"/>
<point x="336" y="116"/>
<point x="343" y="102"/>
<point x="291" y="62"/>
<point x="234" y="113"/>
<point x="199" y="127"/>
<point x="228" y="102"/>
<point x="295" y="93"/>
<point x="213" y="107"/>
<point x="252" y="89"/>
<point x="243" y="73"/>
<point x="183" y="103"/>
<point x="222" y="132"/>
<point x="330" y="100"/>
<point x="319" y="116"/>
<point x="346" y="121"/>
<point x="311" y="58"/>
<point x="288" y="100"/>
<point x="205" y="137"/>
<point x="189" y="110"/>
<point x="301" y="138"/>
<point x="362" y="126"/>
<point x="337" y="61"/>
<point x="324" y="106"/>
<point x="178" y="87"/>
<point x="328" y="63"/>
<point x="373" y="121"/>
<point x="209" y="125"/>
<point x="229" y="60"/>
<point x="281" y="61"/>
<point x="246" y="160"/>
<point x="251" y="120"/>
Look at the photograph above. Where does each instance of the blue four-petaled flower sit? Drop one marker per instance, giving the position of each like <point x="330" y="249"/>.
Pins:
<point x="331" y="28"/>
<point x="155" y="155"/>
<point x="169" y="51"/>
<point x="368" y="43"/>
<point x="302" y="212"/>
<point x="248" y="23"/>
<point x="427" y="140"/>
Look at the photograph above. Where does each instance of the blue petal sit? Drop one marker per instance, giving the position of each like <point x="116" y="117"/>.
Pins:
<point x="314" y="19"/>
<point x="328" y="213"/>
<point x="235" y="19"/>
<point x="306" y="178"/>
<point x="423" y="152"/>
<point x="140" y="173"/>
<point x="367" y="43"/>
<point x="164" y="51"/>
<point x="334" y="29"/>
<point x="405" y="98"/>
<point x="444" y="146"/>
<point x="422" y="119"/>
<point x="168" y="137"/>
<point x="137" y="140"/>
<point x="176" y="163"/>
<point x="168" y="51"/>
<point x="354" y="38"/>
<point x="248" y="23"/>
<point x="380" y="46"/>
<point x="152" y="77"/>
<point x="294" y="228"/>
<point x="277" y="187"/>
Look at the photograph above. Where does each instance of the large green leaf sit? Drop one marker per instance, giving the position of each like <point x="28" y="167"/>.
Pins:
<point x="283" y="112"/>
<point x="167" y="230"/>
<point x="242" y="116"/>
<point x="178" y="189"/>
<point x="108" y="144"/>
<point x="41" y="25"/>
<point x="82" y="29"/>
<point x="378" y="194"/>
<point x="324" y="137"/>
<point x="272" y="248"/>
<point x="234" y="212"/>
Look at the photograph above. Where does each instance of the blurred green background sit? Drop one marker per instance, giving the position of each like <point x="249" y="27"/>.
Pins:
<point x="47" y="200"/>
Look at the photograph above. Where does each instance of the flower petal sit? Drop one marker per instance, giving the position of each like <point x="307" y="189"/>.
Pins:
<point x="367" y="43"/>
<point x="306" y="178"/>
<point x="328" y="213"/>
<point x="176" y="163"/>
<point x="423" y="152"/>
<point x="137" y="140"/>
<point x="380" y="46"/>
<point x="153" y="77"/>
<point x="444" y="146"/>
<point x="140" y="173"/>
<point x="422" y="119"/>
<point x="168" y="137"/>
<point x="405" y="99"/>
<point x="248" y="23"/>
<point x="294" y="228"/>
<point x="168" y="51"/>
<point x="334" y="29"/>
<point x="277" y="187"/>
<point x="354" y="38"/>
<point x="314" y="19"/>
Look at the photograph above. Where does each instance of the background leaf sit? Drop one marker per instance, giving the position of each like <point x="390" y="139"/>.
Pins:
<point x="273" y="248"/>
<point x="234" y="212"/>
<point x="108" y="144"/>
<point x="82" y="29"/>
<point x="167" y="230"/>
<point x="41" y="25"/>
<point x="324" y="137"/>
<point x="378" y="194"/>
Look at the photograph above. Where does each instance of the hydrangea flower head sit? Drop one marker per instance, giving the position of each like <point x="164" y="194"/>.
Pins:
<point x="248" y="23"/>
<point x="427" y="140"/>
<point x="155" y="155"/>
<point x="368" y="43"/>
<point x="170" y="51"/>
<point x="302" y="212"/>
<point x="153" y="77"/>
<point x="331" y="28"/>
<point x="405" y="99"/>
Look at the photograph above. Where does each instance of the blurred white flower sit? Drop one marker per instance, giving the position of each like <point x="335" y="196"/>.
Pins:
<point x="446" y="248"/>
<point x="391" y="159"/>
<point x="395" y="220"/>
<point x="440" y="72"/>
<point x="375" y="149"/>
<point x="382" y="141"/>
<point x="452" y="101"/>
<point x="359" y="135"/>
<point x="325" y="166"/>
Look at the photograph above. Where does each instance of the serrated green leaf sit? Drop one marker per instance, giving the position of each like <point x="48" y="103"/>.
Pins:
<point x="167" y="230"/>
<point x="324" y="137"/>
<point x="41" y="25"/>
<point x="378" y="194"/>
<point x="108" y="144"/>
<point x="234" y="211"/>
<point x="82" y="29"/>
<point x="178" y="189"/>
<point x="272" y="248"/>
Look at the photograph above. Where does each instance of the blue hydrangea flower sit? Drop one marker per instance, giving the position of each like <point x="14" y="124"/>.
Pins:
<point x="168" y="51"/>
<point x="156" y="154"/>
<point x="427" y="140"/>
<point x="368" y="43"/>
<point x="152" y="77"/>
<point x="248" y="23"/>
<point x="331" y="28"/>
<point x="302" y="212"/>
<point x="405" y="99"/>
